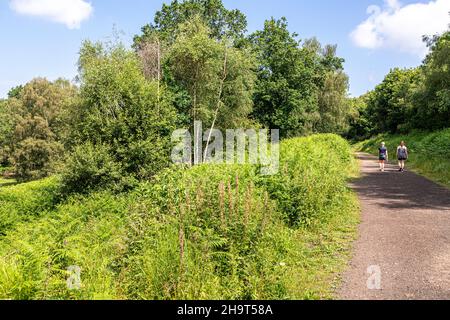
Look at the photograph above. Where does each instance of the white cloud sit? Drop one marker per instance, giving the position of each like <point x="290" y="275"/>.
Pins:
<point x="68" y="12"/>
<point x="402" y="27"/>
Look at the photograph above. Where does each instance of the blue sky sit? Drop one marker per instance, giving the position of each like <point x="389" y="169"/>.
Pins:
<point x="42" y="39"/>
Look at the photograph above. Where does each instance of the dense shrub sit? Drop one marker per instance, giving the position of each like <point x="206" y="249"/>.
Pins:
<point x="32" y="131"/>
<point x="121" y="113"/>
<point x="86" y="233"/>
<point x="91" y="168"/>
<point x="215" y="238"/>
<point x="312" y="177"/>
<point x="35" y="158"/>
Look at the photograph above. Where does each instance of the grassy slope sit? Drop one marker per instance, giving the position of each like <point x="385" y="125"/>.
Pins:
<point x="429" y="152"/>
<point x="6" y="182"/>
<point x="129" y="246"/>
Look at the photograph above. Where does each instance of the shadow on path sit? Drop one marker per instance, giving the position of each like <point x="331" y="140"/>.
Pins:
<point x="399" y="190"/>
<point x="404" y="233"/>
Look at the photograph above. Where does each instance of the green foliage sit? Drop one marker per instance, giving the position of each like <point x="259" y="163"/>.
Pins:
<point x="429" y="152"/>
<point x="26" y="201"/>
<point x="334" y="107"/>
<point x="284" y="97"/>
<point x="212" y="239"/>
<point x="6" y="129"/>
<point x="300" y="89"/>
<point x="411" y="99"/>
<point x="313" y="175"/>
<point x="389" y="105"/>
<point x="15" y="92"/>
<point x="432" y="100"/>
<point x="91" y="168"/>
<point x="222" y="22"/>
<point x="218" y="78"/>
<point x="34" y="126"/>
<point x="208" y="232"/>
<point x="87" y="233"/>
<point x="35" y="158"/>
<point x="360" y="126"/>
<point x="122" y="112"/>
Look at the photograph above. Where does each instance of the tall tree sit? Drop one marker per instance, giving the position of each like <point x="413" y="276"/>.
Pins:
<point x="286" y="95"/>
<point x="6" y="128"/>
<point x="432" y="100"/>
<point x="120" y="112"/>
<point x="218" y="77"/>
<point x="360" y="126"/>
<point x="36" y="116"/>
<point x="223" y="23"/>
<point x="332" y="84"/>
<point x="390" y="104"/>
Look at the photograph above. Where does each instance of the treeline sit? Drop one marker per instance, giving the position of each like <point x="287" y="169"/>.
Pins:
<point x="408" y="99"/>
<point x="195" y="62"/>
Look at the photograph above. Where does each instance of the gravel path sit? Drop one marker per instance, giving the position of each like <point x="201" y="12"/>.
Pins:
<point x="403" y="250"/>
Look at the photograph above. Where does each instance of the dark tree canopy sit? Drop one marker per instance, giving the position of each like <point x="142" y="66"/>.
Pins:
<point x="301" y="89"/>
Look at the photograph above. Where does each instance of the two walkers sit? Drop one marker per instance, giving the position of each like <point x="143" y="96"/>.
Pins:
<point x="402" y="156"/>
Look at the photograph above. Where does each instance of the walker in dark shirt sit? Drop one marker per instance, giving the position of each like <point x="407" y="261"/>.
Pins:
<point x="383" y="153"/>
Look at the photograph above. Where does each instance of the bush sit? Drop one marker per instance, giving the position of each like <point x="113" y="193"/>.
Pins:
<point x="212" y="234"/>
<point x="34" y="158"/>
<point x="122" y="110"/>
<point x="312" y="177"/>
<point x="87" y="233"/>
<point x="91" y="168"/>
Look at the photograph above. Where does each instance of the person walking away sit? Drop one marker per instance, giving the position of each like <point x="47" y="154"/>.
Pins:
<point x="383" y="156"/>
<point x="402" y="155"/>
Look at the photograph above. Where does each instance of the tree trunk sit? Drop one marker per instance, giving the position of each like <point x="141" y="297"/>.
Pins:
<point x="219" y="100"/>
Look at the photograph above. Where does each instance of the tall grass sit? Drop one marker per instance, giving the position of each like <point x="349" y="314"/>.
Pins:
<point x="27" y="201"/>
<point x="429" y="152"/>
<point x="209" y="232"/>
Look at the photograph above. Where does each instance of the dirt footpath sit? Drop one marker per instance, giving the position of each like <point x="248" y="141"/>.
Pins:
<point x="403" y="250"/>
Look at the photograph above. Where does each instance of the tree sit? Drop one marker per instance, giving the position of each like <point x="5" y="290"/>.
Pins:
<point x="119" y="112"/>
<point x="6" y="127"/>
<point x="432" y="99"/>
<point x="222" y="23"/>
<point x="286" y="95"/>
<point x="218" y="77"/>
<point x="332" y="84"/>
<point x="334" y="107"/>
<point x="360" y="127"/>
<point x="15" y="92"/>
<point x="36" y="126"/>
<point x="390" y="104"/>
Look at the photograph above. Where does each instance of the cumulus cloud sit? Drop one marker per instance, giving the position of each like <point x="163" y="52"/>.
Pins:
<point x="402" y="27"/>
<point x="68" y="12"/>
